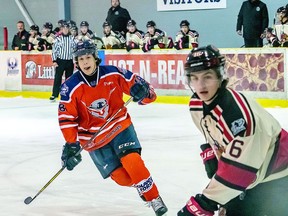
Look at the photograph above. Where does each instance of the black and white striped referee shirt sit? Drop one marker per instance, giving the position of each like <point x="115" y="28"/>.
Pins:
<point x="63" y="47"/>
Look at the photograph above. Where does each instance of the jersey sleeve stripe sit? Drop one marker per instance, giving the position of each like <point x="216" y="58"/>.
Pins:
<point x="68" y="126"/>
<point x="195" y="105"/>
<point x="65" y="116"/>
<point x="235" y="175"/>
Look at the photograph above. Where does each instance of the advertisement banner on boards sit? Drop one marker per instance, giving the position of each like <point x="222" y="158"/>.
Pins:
<point x="10" y="71"/>
<point x="163" y="71"/>
<point x="37" y="69"/>
<point x="175" y="5"/>
<point x="255" y="72"/>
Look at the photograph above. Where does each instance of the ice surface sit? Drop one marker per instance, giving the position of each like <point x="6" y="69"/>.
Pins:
<point x="31" y="145"/>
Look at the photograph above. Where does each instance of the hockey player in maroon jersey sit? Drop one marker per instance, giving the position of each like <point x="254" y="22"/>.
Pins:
<point x="246" y="154"/>
<point x="89" y="97"/>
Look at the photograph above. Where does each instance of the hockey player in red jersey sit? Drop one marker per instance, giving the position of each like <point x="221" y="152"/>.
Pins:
<point x="89" y="97"/>
<point x="246" y="154"/>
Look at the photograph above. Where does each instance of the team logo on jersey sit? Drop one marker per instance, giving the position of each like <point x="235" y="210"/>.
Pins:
<point x="238" y="126"/>
<point x="64" y="90"/>
<point x="99" y="108"/>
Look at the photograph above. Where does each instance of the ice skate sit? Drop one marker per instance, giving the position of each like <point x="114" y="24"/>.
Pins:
<point x="158" y="206"/>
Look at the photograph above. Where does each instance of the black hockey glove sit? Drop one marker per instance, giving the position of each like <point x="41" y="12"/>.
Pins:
<point x="209" y="159"/>
<point x="198" y="205"/>
<point x="153" y="42"/>
<point x="139" y="90"/>
<point x="69" y="160"/>
<point x="128" y="48"/>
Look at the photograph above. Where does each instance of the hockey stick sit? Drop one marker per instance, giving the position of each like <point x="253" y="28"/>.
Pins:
<point x="29" y="199"/>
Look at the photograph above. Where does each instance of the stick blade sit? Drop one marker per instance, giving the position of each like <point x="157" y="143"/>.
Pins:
<point x="28" y="200"/>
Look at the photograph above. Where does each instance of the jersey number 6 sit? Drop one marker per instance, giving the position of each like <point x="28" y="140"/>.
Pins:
<point x="235" y="150"/>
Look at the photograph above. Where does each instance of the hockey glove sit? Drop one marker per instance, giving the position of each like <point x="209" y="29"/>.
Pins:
<point x="194" y="208"/>
<point x="139" y="90"/>
<point x="209" y="159"/>
<point x="69" y="157"/>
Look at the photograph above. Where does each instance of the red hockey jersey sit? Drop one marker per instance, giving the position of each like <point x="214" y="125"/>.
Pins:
<point x="84" y="108"/>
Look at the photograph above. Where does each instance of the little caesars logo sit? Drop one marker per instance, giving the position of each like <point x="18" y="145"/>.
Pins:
<point x="34" y="71"/>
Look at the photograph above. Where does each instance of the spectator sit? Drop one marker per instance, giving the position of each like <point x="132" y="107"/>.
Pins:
<point x="33" y="39"/>
<point x="252" y="21"/>
<point x="271" y="38"/>
<point x="47" y="38"/>
<point x="74" y="31"/>
<point x="281" y="28"/>
<point x="21" y="38"/>
<point x="118" y="17"/>
<point x="111" y="39"/>
<point x="57" y="30"/>
<point x="155" y="38"/>
<point x="134" y="37"/>
<point x="186" y="38"/>
<point x="62" y="58"/>
<point x="85" y="33"/>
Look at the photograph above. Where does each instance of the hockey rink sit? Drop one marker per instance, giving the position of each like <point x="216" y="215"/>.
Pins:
<point x="31" y="146"/>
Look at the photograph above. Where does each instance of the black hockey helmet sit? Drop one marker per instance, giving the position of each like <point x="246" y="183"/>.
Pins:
<point x="60" y="22"/>
<point x="84" y="23"/>
<point x="48" y="25"/>
<point x="281" y="10"/>
<point x="106" y="23"/>
<point x="203" y="58"/>
<point x="150" y="24"/>
<point x="65" y="24"/>
<point x="71" y="23"/>
<point x="131" y="23"/>
<point x="34" y="28"/>
<point x="184" y="23"/>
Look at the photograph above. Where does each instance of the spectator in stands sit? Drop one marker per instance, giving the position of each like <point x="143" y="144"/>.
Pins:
<point x="33" y="39"/>
<point x="118" y="17"/>
<point x="186" y="38"/>
<point x="252" y="21"/>
<point x="271" y="38"/>
<point x="111" y="39"/>
<point x="85" y="33"/>
<point x="134" y="37"/>
<point x="74" y="31"/>
<point x="278" y="36"/>
<point x="155" y="38"/>
<point x="21" y="38"/>
<point x="57" y="30"/>
<point x="47" y="38"/>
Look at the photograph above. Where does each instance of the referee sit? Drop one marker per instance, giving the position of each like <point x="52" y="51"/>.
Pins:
<point x="62" y="58"/>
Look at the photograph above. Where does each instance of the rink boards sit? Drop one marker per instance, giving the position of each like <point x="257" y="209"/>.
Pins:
<point x="258" y="72"/>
